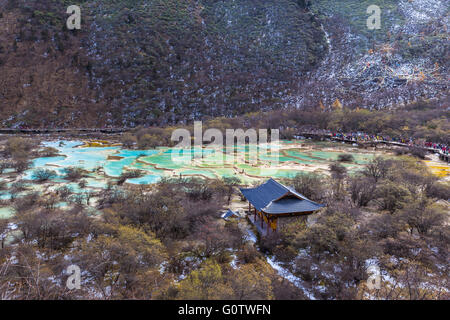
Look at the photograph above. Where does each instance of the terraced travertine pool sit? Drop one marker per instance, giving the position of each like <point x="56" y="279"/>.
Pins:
<point x="251" y="164"/>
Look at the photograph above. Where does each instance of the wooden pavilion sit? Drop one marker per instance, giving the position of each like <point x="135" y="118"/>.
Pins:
<point x="272" y="201"/>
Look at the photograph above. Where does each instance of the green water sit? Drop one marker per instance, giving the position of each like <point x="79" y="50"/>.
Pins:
<point x="200" y="172"/>
<point x="6" y="212"/>
<point x="245" y="162"/>
<point x="251" y="164"/>
<point x="148" y="179"/>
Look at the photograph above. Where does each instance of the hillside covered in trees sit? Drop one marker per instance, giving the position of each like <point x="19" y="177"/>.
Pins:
<point x="168" y="240"/>
<point x="154" y="62"/>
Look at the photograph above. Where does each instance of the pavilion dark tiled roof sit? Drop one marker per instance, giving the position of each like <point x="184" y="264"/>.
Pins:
<point x="230" y="214"/>
<point x="275" y="198"/>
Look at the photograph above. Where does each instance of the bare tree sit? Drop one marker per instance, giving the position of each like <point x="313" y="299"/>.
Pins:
<point x="377" y="168"/>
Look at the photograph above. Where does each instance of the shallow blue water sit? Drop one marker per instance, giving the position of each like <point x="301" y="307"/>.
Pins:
<point x="165" y="161"/>
<point x="5" y="196"/>
<point x="148" y="179"/>
<point x="93" y="157"/>
<point x="114" y="168"/>
<point x="136" y="153"/>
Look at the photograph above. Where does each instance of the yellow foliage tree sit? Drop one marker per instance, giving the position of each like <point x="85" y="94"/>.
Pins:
<point x="321" y="105"/>
<point x="205" y="284"/>
<point x="337" y="104"/>
<point x="250" y="282"/>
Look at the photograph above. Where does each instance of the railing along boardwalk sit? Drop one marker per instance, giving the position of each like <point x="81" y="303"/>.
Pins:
<point x="443" y="156"/>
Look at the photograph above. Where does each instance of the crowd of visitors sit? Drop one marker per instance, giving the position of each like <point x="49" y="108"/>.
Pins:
<point x="359" y="136"/>
<point x="364" y="137"/>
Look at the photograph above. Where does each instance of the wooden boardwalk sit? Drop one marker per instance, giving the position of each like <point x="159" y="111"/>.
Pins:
<point x="257" y="223"/>
<point x="443" y="156"/>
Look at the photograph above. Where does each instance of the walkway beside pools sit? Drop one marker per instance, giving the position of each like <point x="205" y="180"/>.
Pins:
<point x="257" y="224"/>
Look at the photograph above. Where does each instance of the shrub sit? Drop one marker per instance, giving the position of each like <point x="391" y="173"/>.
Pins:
<point x="73" y="173"/>
<point x="439" y="191"/>
<point x="49" y="152"/>
<point x="148" y="141"/>
<point x="422" y="217"/>
<point x="199" y="191"/>
<point x="362" y="190"/>
<point x="82" y="184"/>
<point x="401" y="151"/>
<point x="77" y="199"/>
<point x="345" y="157"/>
<point x="377" y="168"/>
<point x="64" y="192"/>
<point x="391" y="196"/>
<point x="16" y="188"/>
<point x="42" y="175"/>
<point x="19" y="186"/>
<point x="129" y="175"/>
<point x="18" y="148"/>
<point x="310" y="185"/>
<point x="4" y="165"/>
<point x="21" y="165"/>
<point x="418" y="152"/>
<point x="128" y="140"/>
<point x="26" y="202"/>
<point x="248" y="254"/>
<point x="338" y="171"/>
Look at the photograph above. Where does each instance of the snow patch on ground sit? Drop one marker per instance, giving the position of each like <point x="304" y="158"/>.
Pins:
<point x="285" y="273"/>
<point x="422" y="11"/>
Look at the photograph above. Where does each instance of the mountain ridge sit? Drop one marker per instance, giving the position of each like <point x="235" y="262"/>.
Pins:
<point x="154" y="62"/>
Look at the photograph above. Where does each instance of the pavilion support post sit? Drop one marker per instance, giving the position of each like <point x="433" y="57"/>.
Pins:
<point x="262" y="221"/>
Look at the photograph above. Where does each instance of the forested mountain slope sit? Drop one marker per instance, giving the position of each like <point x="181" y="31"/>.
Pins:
<point x="147" y="62"/>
